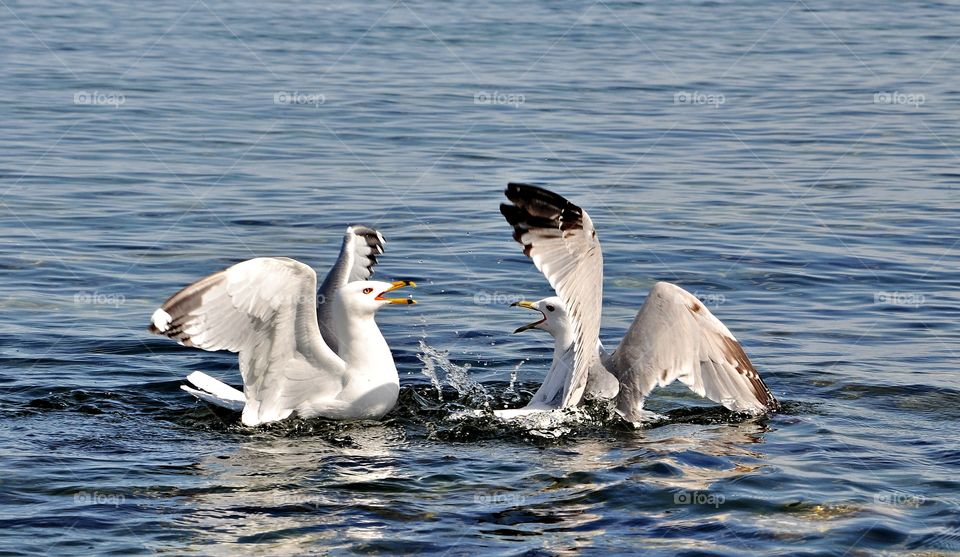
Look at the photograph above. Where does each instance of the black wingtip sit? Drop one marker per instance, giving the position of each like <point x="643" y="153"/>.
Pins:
<point x="521" y="190"/>
<point x="361" y="229"/>
<point x="372" y="237"/>
<point x="371" y="234"/>
<point x="535" y="207"/>
<point x="519" y="186"/>
<point x="512" y="213"/>
<point x="528" y="193"/>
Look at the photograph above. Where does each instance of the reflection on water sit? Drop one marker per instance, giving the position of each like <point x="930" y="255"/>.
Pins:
<point x="285" y="495"/>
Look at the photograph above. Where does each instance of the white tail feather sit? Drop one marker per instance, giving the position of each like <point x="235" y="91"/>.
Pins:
<point x="215" y="386"/>
<point x="214" y="391"/>
<point x="214" y="400"/>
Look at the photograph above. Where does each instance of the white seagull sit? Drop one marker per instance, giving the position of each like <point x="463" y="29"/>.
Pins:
<point x="301" y="353"/>
<point x="674" y="336"/>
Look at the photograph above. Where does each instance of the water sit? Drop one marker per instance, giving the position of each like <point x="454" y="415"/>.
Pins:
<point x="773" y="158"/>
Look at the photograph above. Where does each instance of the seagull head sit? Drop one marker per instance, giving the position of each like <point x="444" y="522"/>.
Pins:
<point x="365" y="297"/>
<point x="554" y="316"/>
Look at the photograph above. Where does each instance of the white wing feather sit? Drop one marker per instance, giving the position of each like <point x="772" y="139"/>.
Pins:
<point x="675" y="337"/>
<point x="560" y="239"/>
<point x="264" y="309"/>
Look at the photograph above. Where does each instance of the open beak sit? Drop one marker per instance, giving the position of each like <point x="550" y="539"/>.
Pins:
<point x="394" y="286"/>
<point x="528" y="305"/>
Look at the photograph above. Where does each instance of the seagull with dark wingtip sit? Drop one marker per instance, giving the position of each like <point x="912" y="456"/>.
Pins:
<point x="302" y="353"/>
<point x="673" y="338"/>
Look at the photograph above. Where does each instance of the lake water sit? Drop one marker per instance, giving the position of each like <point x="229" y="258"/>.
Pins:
<point x="794" y="164"/>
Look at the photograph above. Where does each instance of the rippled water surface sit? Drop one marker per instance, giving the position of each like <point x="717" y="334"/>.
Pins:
<point x="794" y="164"/>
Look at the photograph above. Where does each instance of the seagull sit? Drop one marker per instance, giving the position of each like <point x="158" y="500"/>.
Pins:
<point x="301" y="353"/>
<point x="673" y="337"/>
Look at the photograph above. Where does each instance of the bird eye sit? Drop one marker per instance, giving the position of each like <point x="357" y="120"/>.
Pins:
<point x="367" y="290"/>
<point x="550" y="308"/>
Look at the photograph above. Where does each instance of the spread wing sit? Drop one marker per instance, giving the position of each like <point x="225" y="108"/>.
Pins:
<point x="265" y="309"/>
<point x="675" y="337"/>
<point x="560" y="239"/>
<point x="358" y="255"/>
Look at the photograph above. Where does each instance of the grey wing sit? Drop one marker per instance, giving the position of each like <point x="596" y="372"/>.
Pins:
<point x="560" y="239"/>
<point x="675" y="337"/>
<point x="601" y="384"/>
<point x="358" y="256"/>
<point x="264" y="309"/>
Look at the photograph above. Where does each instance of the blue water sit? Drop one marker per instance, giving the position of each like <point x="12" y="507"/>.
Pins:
<point x="794" y="164"/>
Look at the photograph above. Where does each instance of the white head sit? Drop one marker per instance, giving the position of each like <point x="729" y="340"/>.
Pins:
<point x="554" y="319"/>
<point x="362" y="298"/>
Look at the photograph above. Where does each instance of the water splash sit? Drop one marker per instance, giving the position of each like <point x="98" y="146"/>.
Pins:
<point x="511" y="388"/>
<point x="430" y="370"/>
<point x="456" y="376"/>
<point x="590" y="419"/>
<point x="512" y="395"/>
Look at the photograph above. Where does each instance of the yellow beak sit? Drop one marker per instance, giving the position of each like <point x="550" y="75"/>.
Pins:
<point x="394" y="286"/>
<point x="528" y="305"/>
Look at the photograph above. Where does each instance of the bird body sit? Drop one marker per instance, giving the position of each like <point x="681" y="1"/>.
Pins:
<point x="265" y="309"/>
<point x="674" y="337"/>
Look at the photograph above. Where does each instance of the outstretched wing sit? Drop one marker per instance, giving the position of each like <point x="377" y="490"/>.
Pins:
<point x="560" y="239"/>
<point x="264" y="309"/>
<point x="674" y="336"/>
<point x="358" y="256"/>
